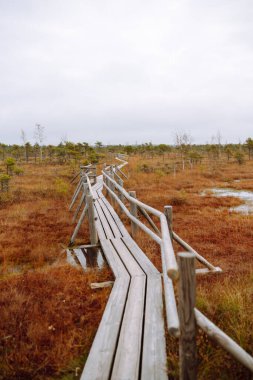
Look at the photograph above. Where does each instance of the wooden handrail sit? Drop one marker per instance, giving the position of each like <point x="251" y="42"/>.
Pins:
<point x="223" y="340"/>
<point x="164" y="241"/>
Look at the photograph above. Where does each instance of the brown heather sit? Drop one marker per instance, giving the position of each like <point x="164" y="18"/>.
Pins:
<point x="49" y="314"/>
<point x="225" y="238"/>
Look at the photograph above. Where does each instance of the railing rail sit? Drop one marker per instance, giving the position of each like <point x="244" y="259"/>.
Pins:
<point x="164" y="241"/>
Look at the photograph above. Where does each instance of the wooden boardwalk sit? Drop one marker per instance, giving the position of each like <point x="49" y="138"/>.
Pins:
<point x="130" y="341"/>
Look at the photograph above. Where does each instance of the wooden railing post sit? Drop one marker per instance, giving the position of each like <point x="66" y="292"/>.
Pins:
<point x="120" y="195"/>
<point x="187" y="294"/>
<point x="111" y="186"/>
<point x="169" y="217"/>
<point x="134" y="212"/>
<point x="91" y="219"/>
<point x="105" y="179"/>
<point x="95" y="174"/>
<point x="121" y="183"/>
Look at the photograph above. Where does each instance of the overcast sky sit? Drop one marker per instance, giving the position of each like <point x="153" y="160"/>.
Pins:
<point x="126" y="71"/>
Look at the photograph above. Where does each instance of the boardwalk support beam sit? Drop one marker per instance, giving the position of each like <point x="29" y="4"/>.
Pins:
<point x="80" y="221"/>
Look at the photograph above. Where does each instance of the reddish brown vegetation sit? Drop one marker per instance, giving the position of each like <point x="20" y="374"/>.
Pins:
<point x="48" y="318"/>
<point x="225" y="238"/>
<point x="49" y="314"/>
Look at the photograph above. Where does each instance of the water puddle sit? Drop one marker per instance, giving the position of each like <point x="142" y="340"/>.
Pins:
<point x="246" y="196"/>
<point x="89" y="258"/>
<point x="94" y="258"/>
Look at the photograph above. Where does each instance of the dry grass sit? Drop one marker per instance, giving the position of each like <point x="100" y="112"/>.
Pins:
<point x="49" y="314"/>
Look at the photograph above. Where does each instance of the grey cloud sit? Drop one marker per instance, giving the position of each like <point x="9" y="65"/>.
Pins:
<point x="120" y="71"/>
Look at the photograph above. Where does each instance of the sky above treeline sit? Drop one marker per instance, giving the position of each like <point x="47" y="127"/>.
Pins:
<point x="126" y="72"/>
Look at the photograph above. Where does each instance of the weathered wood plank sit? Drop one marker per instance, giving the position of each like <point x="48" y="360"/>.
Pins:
<point x="127" y="359"/>
<point x="140" y="256"/>
<point x="132" y="266"/>
<point x="154" y="360"/>
<point x="100" y="359"/>
<point x="99" y="285"/>
<point x="120" y="225"/>
<point x="104" y="221"/>
<point x="208" y="271"/>
<point x="112" y="258"/>
<point x="99" y="227"/>
<point x="111" y="221"/>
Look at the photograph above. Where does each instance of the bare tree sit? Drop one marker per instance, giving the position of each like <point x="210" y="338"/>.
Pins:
<point x="39" y="136"/>
<point x="217" y="140"/>
<point x="183" y="143"/>
<point x="24" y="140"/>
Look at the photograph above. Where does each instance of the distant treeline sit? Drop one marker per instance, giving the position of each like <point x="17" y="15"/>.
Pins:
<point x="84" y="152"/>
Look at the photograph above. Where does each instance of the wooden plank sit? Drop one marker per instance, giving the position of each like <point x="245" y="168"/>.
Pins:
<point x="104" y="222"/>
<point x="120" y="225"/>
<point x="99" y="285"/>
<point x="99" y="188"/>
<point x="128" y="354"/>
<point x="132" y="266"/>
<point x="81" y="258"/>
<point x="111" y="221"/>
<point x="208" y="271"/>
<point x="112" y="258"/>
<point x="127" y="358"/>
<point x="154" y="360"/>
<point x="100" y="359"/>
<point x="140" y="256"/>
<point x="86" y="246"/>
<point x="99" y="227"/>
